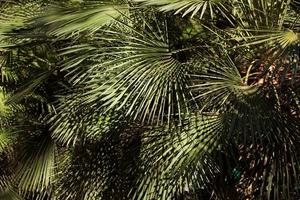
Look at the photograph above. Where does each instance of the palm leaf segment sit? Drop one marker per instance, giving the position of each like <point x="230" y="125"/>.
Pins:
<point x="5" y="136"/>
<point x="274" y="36"/>
<point x="92" y="17"/>
<point x="277" y="31"/>
<point x="266" y="21"/>
<point x="99" y="174"/>
<point x="141" y="74"/>
<point x="5" y="139"/>
<point x="37" y="169"/>
<point x="192" y="7"/>
<point x="10" y="194"/>
<point x="175" y="160"/>
<point x="215" y="81"/>
<point x="74" y="122"/>
<point x="11" y="20"/>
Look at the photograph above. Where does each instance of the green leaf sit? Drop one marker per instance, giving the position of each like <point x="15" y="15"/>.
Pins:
<point x="86" y="18"/>
<point x="192" y="7"/>
<point x="133" y="71"/>
<point x="36" y="170"/>
<point x="6" y="140"/>
<point x="176" y="159"/>
<point x="15" y="16"/>
<point x="3" y="107"/>
<point x="10" y="194"/>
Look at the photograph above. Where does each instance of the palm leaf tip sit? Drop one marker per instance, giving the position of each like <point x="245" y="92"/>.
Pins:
<point x="37" y="166"/>
<point x="186" y="7"/>
<point x="70" y="22"/>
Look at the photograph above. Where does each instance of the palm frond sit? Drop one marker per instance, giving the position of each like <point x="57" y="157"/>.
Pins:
<point x="88" y="17"/>
<point x="6" y="140"/>
<point x="262" y="13"/>
<point x="216" y="81"/>
<point x="10" y="194"/>
<point x="263" y="173"/>
<point x="73" y="121"/>
<point x="36" y="169"/>
<point x="282" y="39"/>
<point x="174" y="161"/>
<point x="192" y="7"/>
<point x="15" y="16"/>
<point x="273" y="29"/>
<point x="7" y="75"/>
<point x="278" y="53"/>
<point x="96" y="175"/>
<point x="141" y="76"/>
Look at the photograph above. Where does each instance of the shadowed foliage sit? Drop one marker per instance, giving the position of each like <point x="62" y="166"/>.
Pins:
<point x="149" y="99"/>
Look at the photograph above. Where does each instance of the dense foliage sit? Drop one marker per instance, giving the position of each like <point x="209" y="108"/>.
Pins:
<point x="149" y="99"/>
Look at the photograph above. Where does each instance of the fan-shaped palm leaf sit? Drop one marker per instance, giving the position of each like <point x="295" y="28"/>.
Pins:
<point x="96" y="175"/>
<point x="174" y="161"/>
<point x="281" y="38"/>
<point x="74" y="121"/>
<point x="140" y="76"/>
<point x="217" y="81"/>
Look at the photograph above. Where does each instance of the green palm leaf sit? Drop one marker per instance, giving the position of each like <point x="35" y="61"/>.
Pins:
<point x="10" y="194"/>
<point x="175" y="160"/>
<point x="273" y="27"/>
<point x="92" y="171"/>
<point x="217" y="81"/>
<point x="36" y="169"/>
<point x="281" y="38"/>
<point x="74" y="122"/>
<point x="262" y="13"/>
<point x="15" y="16"/>
<point x="5" y="140"/>
<point x="192" y="7"/>
<point x="141" y="76"/>
<point x="89" y="17"/>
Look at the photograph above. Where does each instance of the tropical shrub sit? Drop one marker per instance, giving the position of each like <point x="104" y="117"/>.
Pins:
<point x="149" y="99"/>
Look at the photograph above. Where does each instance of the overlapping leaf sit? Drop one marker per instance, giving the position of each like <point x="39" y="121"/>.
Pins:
<point x="93" y="171"/>
<point x="74" y="121"/>
<point x="134" y="71"/>
<point x="10" y="194"/>
<point x="177" y="160"/>
<point x="217" y="81"/>
<point x="88" y="17"/>
<point x="11" y="20"/>
<point x="36" y="169"/>
<point x="192" y="7"/>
